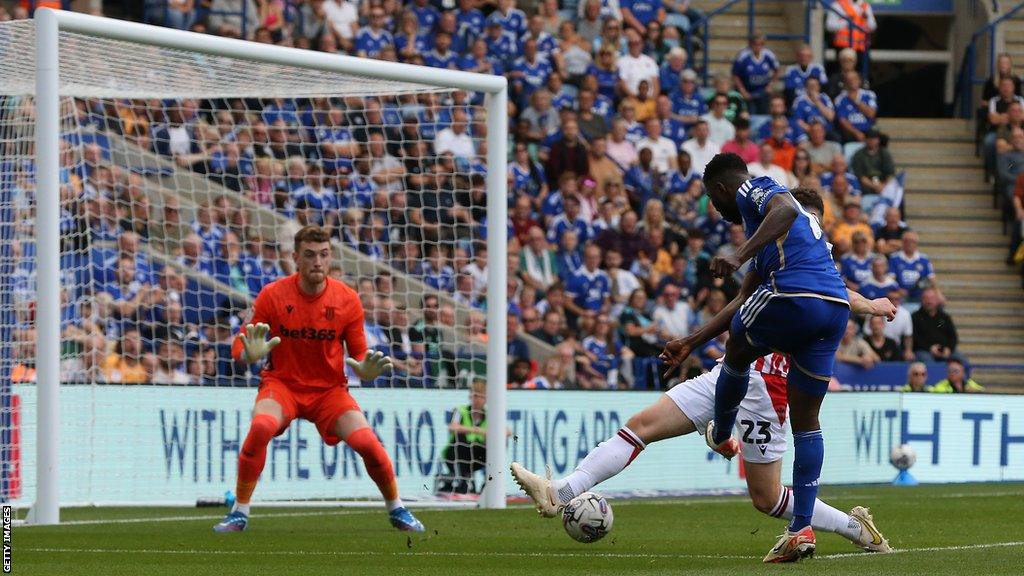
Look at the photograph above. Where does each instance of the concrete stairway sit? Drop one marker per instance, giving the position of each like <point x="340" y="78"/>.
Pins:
<point x="950" y="205"/>
<point x="729" y="31"/>
<point x="1013" y="34"/>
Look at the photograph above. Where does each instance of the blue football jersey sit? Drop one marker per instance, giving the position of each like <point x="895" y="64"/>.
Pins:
<point x="857" y="270"/>
<point x="801" y="261"/>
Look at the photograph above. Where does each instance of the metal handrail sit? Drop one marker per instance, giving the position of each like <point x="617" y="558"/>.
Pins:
<point x="968" y="79"/>
<point x="704" y="24"/>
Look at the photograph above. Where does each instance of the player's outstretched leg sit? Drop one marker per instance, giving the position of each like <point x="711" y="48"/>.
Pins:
<point x="661" y="420"/>
<point x="378" y="465"/>
<point x="250" y="465"/>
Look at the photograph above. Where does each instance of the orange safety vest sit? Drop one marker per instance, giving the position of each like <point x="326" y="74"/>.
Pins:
<point x="33" y="4"/>
<point x="842" y="36"/>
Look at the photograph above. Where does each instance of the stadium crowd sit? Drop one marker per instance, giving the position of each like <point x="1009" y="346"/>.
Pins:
<point x="610" y="234"/>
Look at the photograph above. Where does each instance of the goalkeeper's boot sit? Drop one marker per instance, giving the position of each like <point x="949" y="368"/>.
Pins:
<point x="792" y="546"/>
<point x="402" y="519"/>
<point x="729" y="447"/>
<point x="870" y="537"/>
<point x="539" y="489"/>
<point x="233" y="522"/>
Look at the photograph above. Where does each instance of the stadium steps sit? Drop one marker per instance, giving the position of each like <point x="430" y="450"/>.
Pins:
<point x="1013" y="33"/>
<point x="729" y="32"/>
<point x="950" y="205"/>
<point x="195" y="189"/>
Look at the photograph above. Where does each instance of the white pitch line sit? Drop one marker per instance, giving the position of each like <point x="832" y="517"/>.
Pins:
<point x="394" y="554"/>
<point x="930" y="549"/>
<point x="204" y="517"/>
<point x="288" y="553"/>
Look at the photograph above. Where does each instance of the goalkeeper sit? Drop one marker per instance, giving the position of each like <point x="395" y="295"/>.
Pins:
<point x="311" y="322"/>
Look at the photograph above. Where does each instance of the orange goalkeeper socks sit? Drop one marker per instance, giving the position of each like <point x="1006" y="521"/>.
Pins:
<point x="376" y="460"/>
<point x="254" y="454"/>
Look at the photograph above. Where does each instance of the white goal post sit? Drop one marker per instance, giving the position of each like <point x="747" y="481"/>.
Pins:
<point x="50" y="87"/>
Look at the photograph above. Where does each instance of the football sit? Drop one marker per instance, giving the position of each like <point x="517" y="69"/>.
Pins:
<point x="902" y="456"/>
<point x="587" y="518"/>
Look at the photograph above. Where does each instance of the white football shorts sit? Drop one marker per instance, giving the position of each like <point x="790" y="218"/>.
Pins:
<point x="759" y="427"/>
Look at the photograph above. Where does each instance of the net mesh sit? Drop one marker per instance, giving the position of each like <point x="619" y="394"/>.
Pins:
<point x="184" y="177"/>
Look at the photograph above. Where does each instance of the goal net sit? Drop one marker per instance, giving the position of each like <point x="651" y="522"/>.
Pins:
<point x="183" y="177"/>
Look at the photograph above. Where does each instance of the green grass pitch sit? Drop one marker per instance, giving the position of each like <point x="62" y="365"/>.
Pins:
<point x="956" y="529"/>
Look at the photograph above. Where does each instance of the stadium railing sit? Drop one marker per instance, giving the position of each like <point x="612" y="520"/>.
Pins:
<point x="704" y="24"/>
<point x="969" y="79"/>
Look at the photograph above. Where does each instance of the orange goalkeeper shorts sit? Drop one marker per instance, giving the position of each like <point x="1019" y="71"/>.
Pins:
<point x="321" y="406"/>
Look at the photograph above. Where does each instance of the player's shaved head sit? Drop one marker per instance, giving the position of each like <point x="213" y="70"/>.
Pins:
<point x="722" y="178"/>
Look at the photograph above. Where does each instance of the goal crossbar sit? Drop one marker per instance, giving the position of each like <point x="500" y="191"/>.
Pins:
<point x="48" y="25"/>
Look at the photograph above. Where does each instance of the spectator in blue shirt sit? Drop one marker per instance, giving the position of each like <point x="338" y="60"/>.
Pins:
<point x="856" y="265"/>
<point x="672" y="70"/>
<point x="442" y="56"/>
<point x="813" y="105"/>
<point x="589" y="288"/>
<point x="413" y="38"/>
<point x="373" y="38"/>
<point x="687" y="103"/>
<point x="510" y="18"/>
<point x="913" y="271"/>
<point x="880" y="283"/>
<point x="501" y="44"/>
<point x="470" y="21"/>
<point x="569" y="220"/>
<point x="529" y="73"/>
<point x="753" y="71"/>
<point x="796" y="75"/>
<point x="856" y="109"/>
<point x="427" y="14"/>
<point x="637" y="14"/>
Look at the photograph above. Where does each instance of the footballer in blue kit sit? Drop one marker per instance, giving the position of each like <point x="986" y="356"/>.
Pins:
<point x="800" y="308"/>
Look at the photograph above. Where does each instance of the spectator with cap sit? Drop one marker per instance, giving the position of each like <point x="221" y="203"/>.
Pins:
<point x="872" y="164"/>
<point x="856" y="109"/>
<point x="754" y="70"/>
<point x="956" y="381"/>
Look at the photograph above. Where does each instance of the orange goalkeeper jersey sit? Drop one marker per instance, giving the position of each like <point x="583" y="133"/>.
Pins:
<point x="313" y="330"/>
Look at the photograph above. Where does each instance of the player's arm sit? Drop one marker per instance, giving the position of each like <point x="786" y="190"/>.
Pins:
<point x="877" y="307"/>
<point x="779" y="214"/>
<point x="677" y="350"/>
<point x="251" y="344"/>
<point x="368" y="365"/>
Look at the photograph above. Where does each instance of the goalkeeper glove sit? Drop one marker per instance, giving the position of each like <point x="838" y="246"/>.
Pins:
<point x="255" y="343"/>
<point x="373" y="365"/>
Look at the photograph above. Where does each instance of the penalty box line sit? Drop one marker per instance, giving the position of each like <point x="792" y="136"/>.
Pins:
<point x="503" y="554"/>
